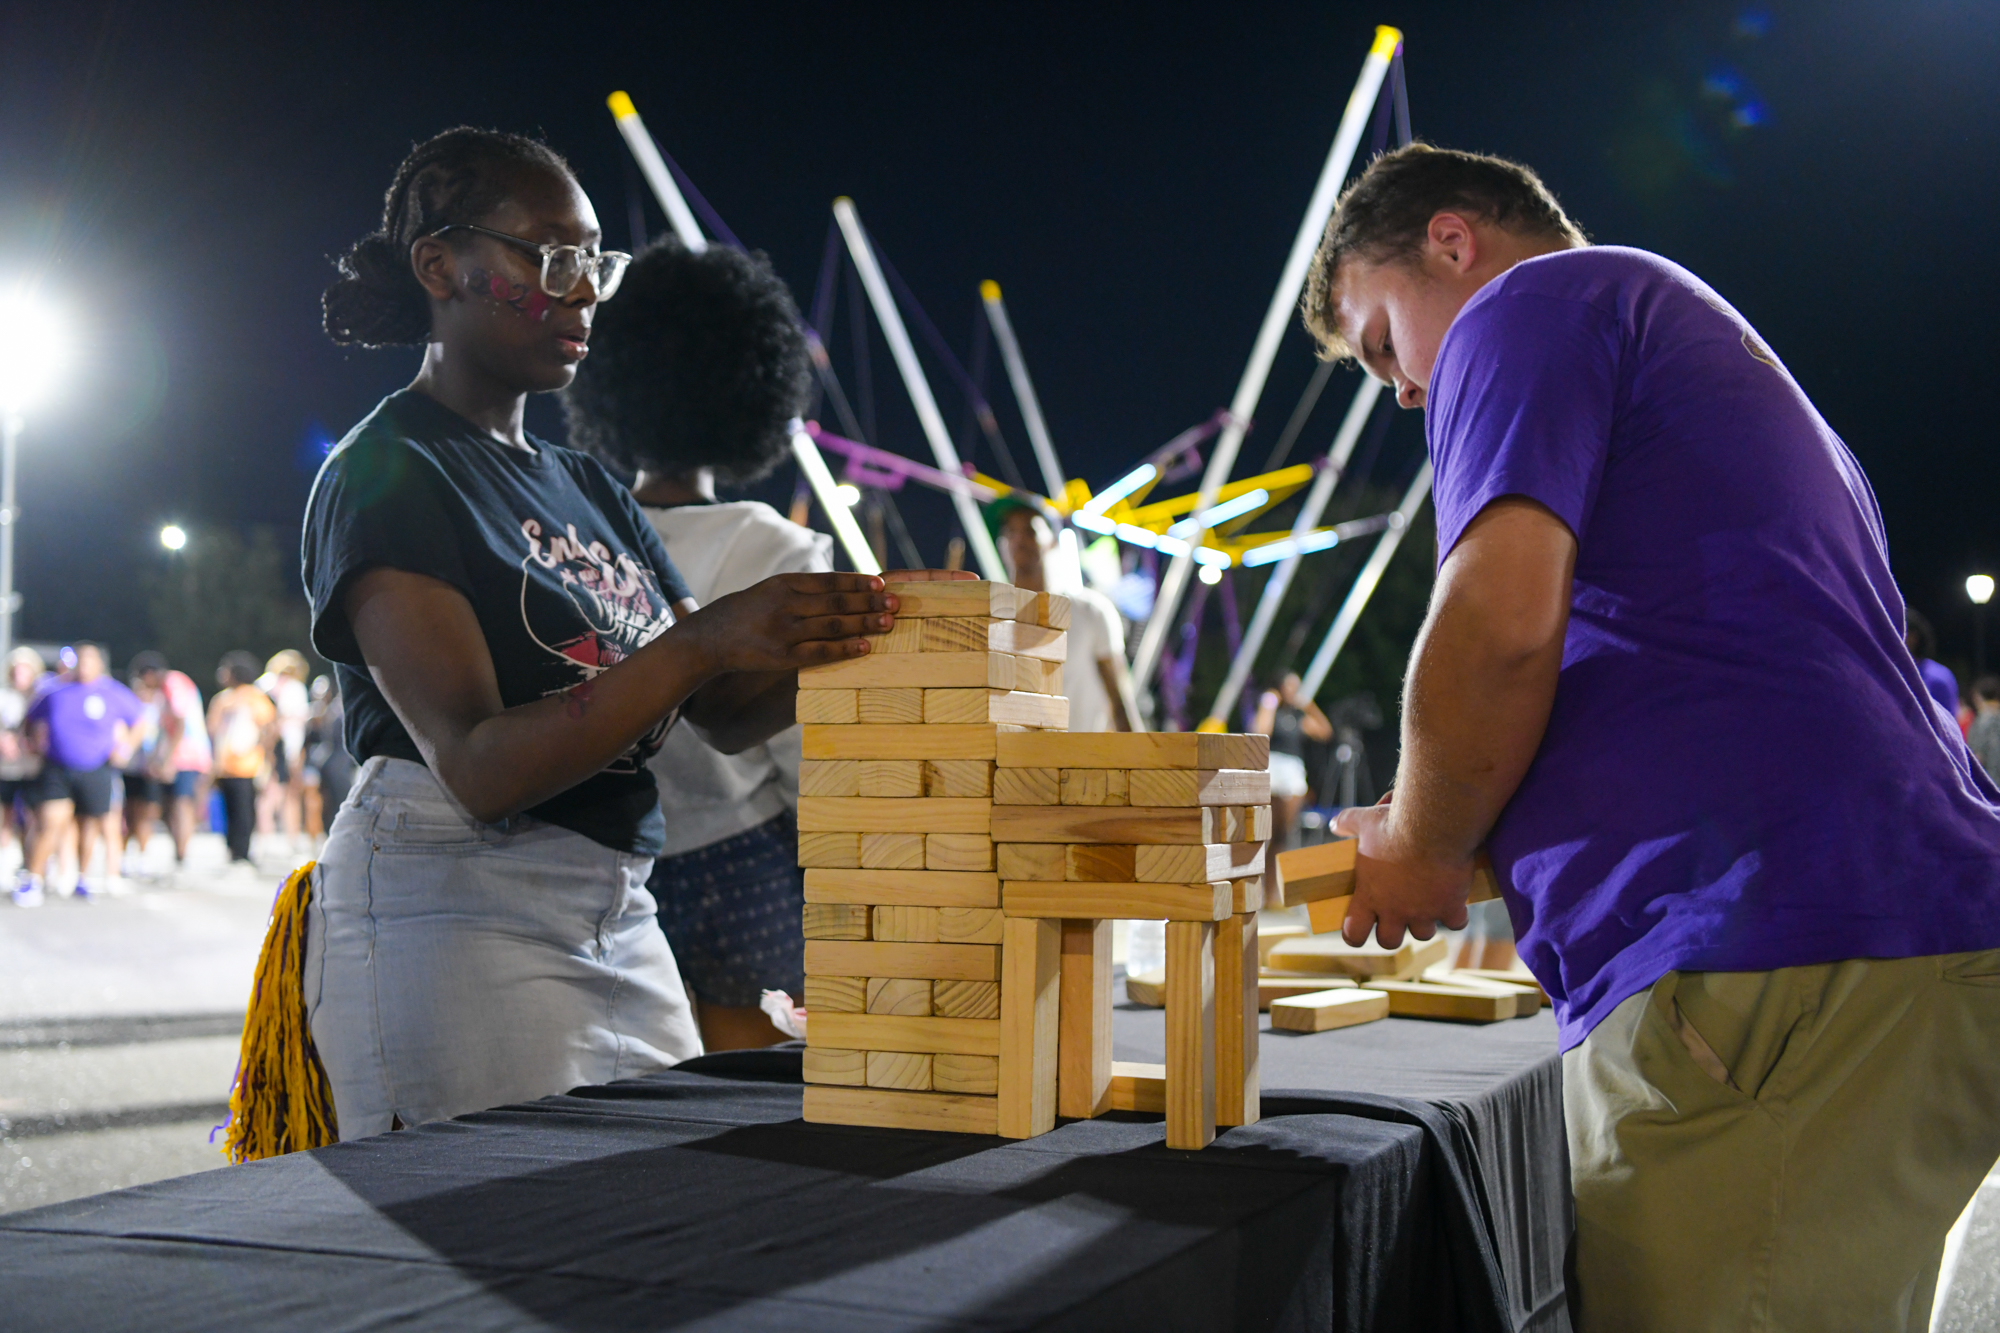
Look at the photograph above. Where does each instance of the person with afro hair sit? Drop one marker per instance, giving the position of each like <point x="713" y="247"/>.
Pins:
<point x="695" y="375"/>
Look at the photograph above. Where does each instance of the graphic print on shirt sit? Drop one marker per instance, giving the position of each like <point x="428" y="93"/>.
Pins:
<point x="617" y="599"/>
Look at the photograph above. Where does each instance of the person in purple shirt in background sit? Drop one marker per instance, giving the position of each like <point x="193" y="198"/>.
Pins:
<point x="1663" y="680"/>
<point x="78" y="727"/>
<point x="1921" y="640"/>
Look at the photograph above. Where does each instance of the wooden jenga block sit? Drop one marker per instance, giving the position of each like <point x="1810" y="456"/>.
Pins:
<point x="1248" y="894"/>
<point x="958" y="851"/>
<point x="907" y="997"/>
<point x="1030" y="1000"/>
<point x="1134" y="749"/>
<point x="1137" y="1087"/>
<point x="1037" y="676"/>
<point x="892" y="851"/>
<point x="892" y="1032"/>
<point x="1094" y="786"/>
<point x="835" y="921"/>
<point x="964" y="706"/>
<point x="1275" y="986"/>
<point x="887" y="778"/>
<point x="822" y="706"/>
<point x="1029" y="860"/>
<point x="888" y="706"/>
<point x="905" y="636"/>
<point x="986" y="671"/>
<point x="914" y="888"/>
<point x="836" y="995"/>
<point x="1258" y="821"/>
<point x="965" y="999"/>
<point x="888" y="1108"/>
<point x="1425" y="999"/>
<point x="1269" y="936"/>
<point x="1083" y="1050"/>
<point x="958" y="634"/>
<point x="1310" y="874"/>
<point x="1211" y="861"/>
<point x="870" y="958"/>
<point x="1229" y="825"/>
<point x="871" y="741"/>
<point x="968" y="925"/>
<point x="899" y="1069"/>
<point x="921" y="814"/>
<point x="1111" y="862"/>
<point x="975" y="1074"/>
<point x="1025" y="640"/>
<point x="1200" y="786"/>
<point x="832" y="850"/>
<point x="958" y="778"/>
<point x="906" y="925"/>
<point x="1190" y="1034"/>
<point x="1117" y="902"/>
<point x="1323" y="1011"/>
<point x="1147" y="988"/>
<point x="1190" y="825"/>
<point x="823" y="1065"/>
<point x="1052" y="610"/>
<point x="1527" y="999"/>
<point x="1236" y="1079"/>
<point x="1027" y="786"/>
<point x="830" y="777"/>
<point x="1331" y="954"/>
<point x="962" y="597"/>
<point x="1508" y="977"/>
<point x="1329" y="911"/>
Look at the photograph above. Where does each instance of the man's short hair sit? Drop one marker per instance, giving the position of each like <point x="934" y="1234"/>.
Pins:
<point x="1385" y="214"/>
<point x="1987" y="688"/>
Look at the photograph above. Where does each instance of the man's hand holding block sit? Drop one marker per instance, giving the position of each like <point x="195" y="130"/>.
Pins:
<point x="1321" y="879"/>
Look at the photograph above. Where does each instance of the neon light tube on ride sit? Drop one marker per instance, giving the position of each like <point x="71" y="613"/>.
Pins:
<point x="1137" y="536"/>
<point x="1222" y="513"/>
<point x="1317" y="541"/>
<point x="1092" y="522"/>
<point x="1207" y="555"/>
<point x="1120" y="488"/>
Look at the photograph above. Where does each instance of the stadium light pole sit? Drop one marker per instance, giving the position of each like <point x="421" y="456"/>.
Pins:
<point x="32" y="354"/>
<point x="1979" y="587"/>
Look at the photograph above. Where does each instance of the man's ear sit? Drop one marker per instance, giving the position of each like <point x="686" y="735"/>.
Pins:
<point x="436" y="267"/>
<point x="1451" y="240"/>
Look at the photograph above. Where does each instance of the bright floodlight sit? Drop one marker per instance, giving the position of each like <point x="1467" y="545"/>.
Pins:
<point x="848" y="494"/>
<point x="33" y="349"/>
<point x="1211" y="574"/>
<point x="173" y="536"/>
<point x="1980" y="588"/>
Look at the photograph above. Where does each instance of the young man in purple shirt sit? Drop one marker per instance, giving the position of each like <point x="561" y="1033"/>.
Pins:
<point x="77" y="726"/>
<point x="1663" y="680"/>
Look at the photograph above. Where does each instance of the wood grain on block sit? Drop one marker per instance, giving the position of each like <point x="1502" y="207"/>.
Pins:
<point x="1095" y="786"/>
<point x="1247" y="895"/>
<point x="969" y="925"/>
<point x="1038" y="676"/>
<point x="965" y="999"/>
<point x="961" y="597"/>
<point x="994" y="671"/>
<point x="1083" y="1051"/>
<point x="957" y="634"/>
<point x="1147" y="988"/>
<point x="1030" y="1009"/>
<point x="1236" y="1077"/>
<point x="1508" y="976"/>
<point x="1324" y="954"/>
<point x="1200" y="786"/>
<point x="1025" y="640"/>
<point x="870" y="958"/>
<point x="1106" y="861"/>
<point x="959" y="777"/>
<point x="914" y="888"/>
<point x="1210" y="861"/>
<point x="1190" y="1033"/>
<point x="1325" y="1010"/>
<point x="905" y="925"/>
<point x="968" y="706"/>
<point x="1051" y="610"/>
<point x="1259" y="829"/>
<point x="905" y="636"/>
<point x="1311" y="874"/>
<point x="837" y="995"/>
<point x="1136" y="1086"/>
<point x="1191" y="825"/>
<point x="887" y="1108"/>
<point x="830" y="850"/>
<point x="887" y="778"/>
<point x="823" y="1065"/>
<point x="835" y="921"/>
<point x="1327" y="913"/>
<point x="1424" y="999"/>
<point x="1245" y="823"/>
<point x="1030" y="860"/>
<point x="1136" y="749"/>
<point x="891" y="1032"/>
<point x="886" y="706"/>
<point x="1273" y="986"/>
<point x="892" y="851"/>
<point x="870" y="741"/>
<point x="899" y="1069"/>
<point x="958" y="851"/>
<point x="866" y="814"/>
<point x="1027" y="786"/>
<point x="827" y="706"/>
<point x="1269" y="936"/>
<point x="830" y="777"/>
<point x="975" y="1074"/>
<point x="1116" y="902"/>
<point x="1527" y="999"/>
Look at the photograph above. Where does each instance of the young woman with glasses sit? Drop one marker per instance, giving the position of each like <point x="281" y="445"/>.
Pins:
<point x="512" y="643"/>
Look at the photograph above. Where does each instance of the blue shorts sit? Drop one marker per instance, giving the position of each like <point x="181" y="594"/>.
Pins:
<point x="733" y="913"/>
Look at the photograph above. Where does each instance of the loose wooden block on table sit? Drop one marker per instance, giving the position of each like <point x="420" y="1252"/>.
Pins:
<point x="892" y="778"/>
<point x="1322" y="1011"/>
<point x="915" y="888"/>
<point x="1030" y="1007"/>
<point x="1527" y="999"/>
<point x="891" y="1109"/>
<point x="1207" y="786"/>
<point x="891" y="706"/>
<point x="958" y="777"/>
<point x="972" y="706"/>
<point x="1236" y="1077"/>
<point x="878" y="741"/>
<point x="1181" y="825"/>
<point x="833" y="851"/>
<point x="1137" y="1086"/>
<point x="1030" y="860"/>
<point x="969" y="925"/>
<point x="1083" y="1052"/>
<point x="1275" y="986"/>
<point x="868" y="958"/>
<point x="1119" y="902"/>
<point x="1507" y="976"/>
<point x="1208" y="861"/>
<point x="905" y="997"/>
<point x="965" y="999"/>
<point x="894" y="1032"/>
<point x="1130" y="749"/>
<point x="825" y="1065"/>
<point x="977" y="1074"/>
<point x="821" y="706"/>
<point x="958" y="851"/>
<point x="905" y="925"/>
<point x="1147" y="988"/>
<point x="1095" y="786"/>
<point x="842" y="995"/>
<point x="865" y="814"/>
<point x="1027" y="786"/>
<point x="1190" y="1034"/>
<point x="892" y="851"/>
<point x="1321" y="954"/>
<point x="830" y="777"/>
<point x="1424" y="999"/>
<point x="1270" y="935"/>
<point x="835" y="921"/>
<point x="899" y="1069"/>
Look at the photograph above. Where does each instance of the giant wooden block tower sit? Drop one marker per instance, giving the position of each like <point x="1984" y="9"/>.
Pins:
<point x="964" y="860"/>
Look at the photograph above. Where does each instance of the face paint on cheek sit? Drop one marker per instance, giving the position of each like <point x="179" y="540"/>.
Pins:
<point x="536" y="306"/>
<point x="514" y="295"/>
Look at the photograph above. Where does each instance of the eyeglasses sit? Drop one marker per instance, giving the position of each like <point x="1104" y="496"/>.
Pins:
<point x="563" y="266"/>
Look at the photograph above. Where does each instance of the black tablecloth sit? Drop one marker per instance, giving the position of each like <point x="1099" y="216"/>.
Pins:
<point x="1407" y="1175"/>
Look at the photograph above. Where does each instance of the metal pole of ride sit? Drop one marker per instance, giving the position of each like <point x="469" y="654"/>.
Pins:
<point x="1024" y="388"/>
<point x="10" y="439"/>
<point x="1360" y="105"/>
<point x="1364" y="585"/>
<point x="898" y="337"/>
<point x="1280" y="581"/>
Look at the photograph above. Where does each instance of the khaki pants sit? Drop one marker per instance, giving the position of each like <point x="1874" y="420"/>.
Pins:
<point x="1781" y="1150"/>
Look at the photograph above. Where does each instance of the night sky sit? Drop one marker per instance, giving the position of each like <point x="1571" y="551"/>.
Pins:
<point x="1132" y="177"/>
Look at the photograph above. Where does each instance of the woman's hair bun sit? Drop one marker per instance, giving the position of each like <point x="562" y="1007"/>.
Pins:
<point x="376" y="301"/>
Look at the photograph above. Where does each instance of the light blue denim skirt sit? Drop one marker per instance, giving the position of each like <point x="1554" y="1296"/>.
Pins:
<point x="452" y="966"/>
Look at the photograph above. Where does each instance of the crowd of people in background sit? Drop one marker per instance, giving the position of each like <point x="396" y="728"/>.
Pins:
<point x="94" y="770"/>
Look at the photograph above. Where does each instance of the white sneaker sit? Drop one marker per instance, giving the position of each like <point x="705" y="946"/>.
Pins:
<point x="28" y="891"/>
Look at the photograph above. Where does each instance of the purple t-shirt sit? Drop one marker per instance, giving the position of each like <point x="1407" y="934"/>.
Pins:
<point x="83" y="720"/>
<point x="1941" y="683"/>
<point x="1743" y="769"/>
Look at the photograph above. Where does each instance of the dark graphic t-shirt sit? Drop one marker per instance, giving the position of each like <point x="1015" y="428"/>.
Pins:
<point x="565" y="574"/>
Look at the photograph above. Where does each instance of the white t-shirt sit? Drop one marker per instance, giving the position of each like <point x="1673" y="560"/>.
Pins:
<point x="1095" y="632"/>
<point x="294" y="703"/>
<point x="720" y="549"/>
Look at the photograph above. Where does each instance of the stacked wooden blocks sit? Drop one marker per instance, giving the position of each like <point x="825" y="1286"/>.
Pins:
<point x="927" y="1009"/>
<point x="1089" y="829"/>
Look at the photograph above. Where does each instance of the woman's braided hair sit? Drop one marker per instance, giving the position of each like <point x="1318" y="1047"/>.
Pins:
<point x="461" y="175"/>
